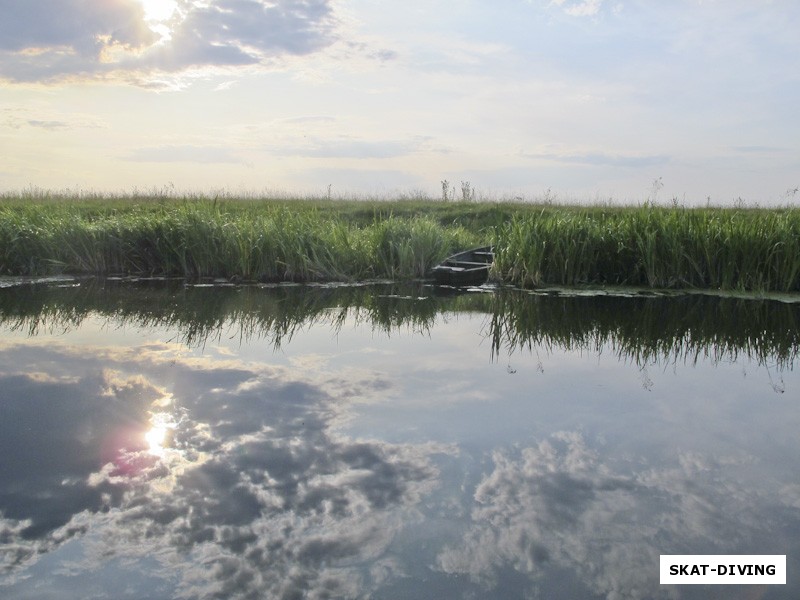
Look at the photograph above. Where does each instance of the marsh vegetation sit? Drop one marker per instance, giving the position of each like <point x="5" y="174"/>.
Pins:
<point x="325" y="240"/>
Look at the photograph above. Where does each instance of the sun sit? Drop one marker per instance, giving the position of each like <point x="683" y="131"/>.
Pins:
<point x="158" y="15"/>
<point x="158" y="10"/>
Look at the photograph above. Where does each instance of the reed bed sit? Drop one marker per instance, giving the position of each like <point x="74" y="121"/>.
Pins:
<point x="304" y="240"/>
<point x="207" y="239"/>
<point x="654" y="247"/>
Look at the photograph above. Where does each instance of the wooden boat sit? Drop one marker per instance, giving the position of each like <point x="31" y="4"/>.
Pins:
<point x="470" y="267"/>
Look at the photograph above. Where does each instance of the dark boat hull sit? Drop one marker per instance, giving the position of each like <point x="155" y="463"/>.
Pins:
<point x="465" y="268"/>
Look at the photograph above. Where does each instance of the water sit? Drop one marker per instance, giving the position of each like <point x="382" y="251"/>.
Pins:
<point x="167" y="441"/>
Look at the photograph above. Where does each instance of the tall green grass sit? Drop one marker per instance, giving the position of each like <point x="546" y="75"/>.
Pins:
<point x="655" y="247"/>
<point x="207" y="239"/>
<point x="314" y="240"/>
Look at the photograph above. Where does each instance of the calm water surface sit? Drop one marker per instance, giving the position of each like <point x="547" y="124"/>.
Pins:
<point x="167" y="441"/>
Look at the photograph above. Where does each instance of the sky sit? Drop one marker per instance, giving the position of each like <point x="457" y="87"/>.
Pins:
<point x="693" y="101"/>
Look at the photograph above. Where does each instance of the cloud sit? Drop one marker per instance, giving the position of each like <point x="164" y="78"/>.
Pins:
<point x="373" y="179"/>
<point x="348" y="147"/>
<point x="50" y="125"/>
<point x="257" y="495"/>
<point x="602" y="160"/>
<point x="759" y="149"/>
<point x="309" y="119"/>
<point x="287" y="508"/>
<point x="555" y="507"/>
<point x="579" y="8"/>
<point x="71" y="26"/>
<point x="20" y="116"/>
<point x="53" y="40"/>
<point x="195" y="154"/>
<point x="60" y="430"/>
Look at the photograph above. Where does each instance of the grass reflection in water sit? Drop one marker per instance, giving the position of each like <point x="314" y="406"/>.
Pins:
<point x="645" y="328"/>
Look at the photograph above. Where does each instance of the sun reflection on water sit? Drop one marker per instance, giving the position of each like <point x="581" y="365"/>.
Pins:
<point x="159" y="436"/>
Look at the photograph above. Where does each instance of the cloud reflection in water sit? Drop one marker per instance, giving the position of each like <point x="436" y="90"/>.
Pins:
<point x="254" y="495"/>
<point x="234" y="473"/>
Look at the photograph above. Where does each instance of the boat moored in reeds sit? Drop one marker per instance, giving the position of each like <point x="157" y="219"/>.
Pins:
<point x="470" y="267"/>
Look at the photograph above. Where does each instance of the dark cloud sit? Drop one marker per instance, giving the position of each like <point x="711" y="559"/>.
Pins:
<point x="49" y="40"/>
<point x="51" y="125"/>
<point x="71" y="26"/>
<point x="292" y="26"/>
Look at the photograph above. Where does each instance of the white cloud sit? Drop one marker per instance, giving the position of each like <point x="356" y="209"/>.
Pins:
<point x="557" y="505"/>
<point x="579" y="8"/>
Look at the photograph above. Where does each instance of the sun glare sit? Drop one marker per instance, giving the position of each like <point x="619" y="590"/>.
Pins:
<point x="158" y="436"/>
<point x="155" y="439"/>
<point x="158" y="10"/>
